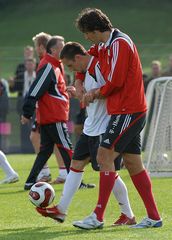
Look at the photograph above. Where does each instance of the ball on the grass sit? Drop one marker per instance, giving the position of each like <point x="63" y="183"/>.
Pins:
<point x="41" y="194"/>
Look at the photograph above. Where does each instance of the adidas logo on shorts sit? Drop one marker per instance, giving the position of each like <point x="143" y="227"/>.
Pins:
<point x="106" y="141"/>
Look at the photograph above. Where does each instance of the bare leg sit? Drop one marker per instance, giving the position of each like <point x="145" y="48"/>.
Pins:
<point x="62" y="168"/>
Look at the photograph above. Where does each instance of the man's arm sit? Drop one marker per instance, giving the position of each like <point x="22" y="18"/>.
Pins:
<point x="37" y="89"/>
<point x="80" y="90"/>
<point x="118" y="70"/>
<point x="93" y="51"/>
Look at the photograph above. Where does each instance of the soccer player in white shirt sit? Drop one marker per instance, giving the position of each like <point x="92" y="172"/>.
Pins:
<point x="76" y="58"/>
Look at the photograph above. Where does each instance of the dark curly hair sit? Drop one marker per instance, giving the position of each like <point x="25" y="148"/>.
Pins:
<point x="91" y="19"/>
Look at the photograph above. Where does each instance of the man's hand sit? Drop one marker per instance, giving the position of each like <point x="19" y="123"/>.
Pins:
<point x="24" y="120"/>
<point x="80" y="90"/>
<point x="88" y="97"/>
<point x="91" y="95"/>
<point x="71" y="91"/>
<point x="79" y="93"/>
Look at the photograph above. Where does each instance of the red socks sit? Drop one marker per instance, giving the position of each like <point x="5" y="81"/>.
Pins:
<point x="106" y="183"/>
<point x="143" y="185"/>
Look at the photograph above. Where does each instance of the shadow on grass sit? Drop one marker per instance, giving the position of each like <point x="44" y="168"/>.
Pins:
<point x="42" y="233"/>
<point x="13" y="192"/>
<point x="7" y="190"/>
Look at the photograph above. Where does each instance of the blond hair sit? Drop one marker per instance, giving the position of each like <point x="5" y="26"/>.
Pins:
<point x="41" y="38"/>
<point x="156" y="62"/>
<point x="28" y="47"/>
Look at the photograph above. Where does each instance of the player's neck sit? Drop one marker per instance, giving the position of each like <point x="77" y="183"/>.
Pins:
<point x="105" y="36"/>
<point x="87" y="60"/>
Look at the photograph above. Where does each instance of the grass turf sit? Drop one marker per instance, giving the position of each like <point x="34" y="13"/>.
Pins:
<point x="19" y="220"/>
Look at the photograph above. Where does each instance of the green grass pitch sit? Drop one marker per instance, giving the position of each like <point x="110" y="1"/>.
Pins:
<point x="20" y="221"/>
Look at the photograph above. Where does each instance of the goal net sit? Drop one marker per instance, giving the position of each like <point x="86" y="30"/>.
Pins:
<point x="157" y="134"/>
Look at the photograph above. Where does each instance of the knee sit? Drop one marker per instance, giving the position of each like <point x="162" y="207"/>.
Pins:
<point x="100" y="158"/>
<point x="78" y="165"/>
<point x="133" y="163"/>
<point x="128" y="163"/>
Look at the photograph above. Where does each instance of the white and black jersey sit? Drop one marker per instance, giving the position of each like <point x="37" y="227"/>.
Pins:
<point x="97" y="117"/>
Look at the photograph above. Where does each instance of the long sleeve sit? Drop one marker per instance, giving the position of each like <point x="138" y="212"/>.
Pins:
<point x="116" y="75"/>
<point x="37" y="89"/>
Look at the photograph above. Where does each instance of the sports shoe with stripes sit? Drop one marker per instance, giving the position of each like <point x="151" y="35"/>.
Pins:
<point x="148" y="223"/>
<point x="28" y="186"/>
<point x="53" y="213"/>
<point x="90" y="222"/>
<point x="86" y="185"/>
<point x="124" y="220"/>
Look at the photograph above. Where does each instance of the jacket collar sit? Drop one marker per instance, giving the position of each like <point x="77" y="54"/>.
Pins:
<point x="49" y="58"/>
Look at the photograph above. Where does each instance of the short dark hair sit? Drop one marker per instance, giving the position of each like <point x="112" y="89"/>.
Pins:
<point x="71" y="49"/>
<point x="91" y="19"/>
<point x="52" y="42"/>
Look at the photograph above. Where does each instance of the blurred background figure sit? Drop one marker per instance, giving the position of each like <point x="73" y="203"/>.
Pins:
<point x="24" y="76"/>
<point x="156" y="71"/>
<point x="17" y="82"/>
<point x="168" y="71"/>
<point x="28" y="78"/>
<point x="4" y="106"/>
<point x="29" y="75"/>
<point x="11" y="175"/>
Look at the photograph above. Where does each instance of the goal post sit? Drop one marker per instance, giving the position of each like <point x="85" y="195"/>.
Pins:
<point x="157" y="134"/>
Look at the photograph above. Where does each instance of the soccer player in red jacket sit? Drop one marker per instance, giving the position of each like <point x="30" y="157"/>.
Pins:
<point x="49" y="90"/>
<point x="121" y="68"/>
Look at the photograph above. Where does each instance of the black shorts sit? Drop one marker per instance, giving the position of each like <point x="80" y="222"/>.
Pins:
<point x="55" y="133"/>
<point x="123" y="133"/>
<point x="87" y="146"/>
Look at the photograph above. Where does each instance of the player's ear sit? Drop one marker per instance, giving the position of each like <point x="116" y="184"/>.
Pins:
<point x="77" y="57"/>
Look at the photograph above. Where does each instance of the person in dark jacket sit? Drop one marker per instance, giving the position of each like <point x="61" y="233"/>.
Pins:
<point x="49" y="90"/>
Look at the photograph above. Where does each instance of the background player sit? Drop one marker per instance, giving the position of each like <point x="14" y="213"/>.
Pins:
<point x="49" y="90"/>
